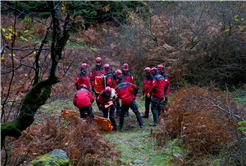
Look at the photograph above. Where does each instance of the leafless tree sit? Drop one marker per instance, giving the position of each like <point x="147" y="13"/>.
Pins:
<point x="42" y="74"/>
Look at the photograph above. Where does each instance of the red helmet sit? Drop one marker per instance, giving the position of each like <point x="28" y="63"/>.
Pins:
<point x="152" y="70"/>
<point x="98" y="59"/>
<point x="147" y="69"/>
<point x="159" y="67"/>
<point x="83" y="86"/>
<point x="107" y="66"/>
<point x="125" y="65"/>
<point x="84" y="66"/>
<point x="107" y="90"/>
<point x="118" y="72"/>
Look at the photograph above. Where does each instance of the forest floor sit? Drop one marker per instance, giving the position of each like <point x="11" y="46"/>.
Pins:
<point x="137" y="145"/>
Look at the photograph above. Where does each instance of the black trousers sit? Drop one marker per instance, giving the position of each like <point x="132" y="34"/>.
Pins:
<point x="111" y="114"/>
<point x="117" y="107"/>
<point x="155" y="107"/>
<point x="98" y="104"/>
<point x="124" y="107"/>
<point x="147" y="103"/>
<point x="88" y="109"/>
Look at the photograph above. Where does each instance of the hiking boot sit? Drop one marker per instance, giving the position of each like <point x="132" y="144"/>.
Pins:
<point x="120" y="129"/>
<point x="152" y="124"/>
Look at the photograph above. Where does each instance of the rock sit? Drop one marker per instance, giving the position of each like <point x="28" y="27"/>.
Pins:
<point x="178" y="155"/>
<point x="57" y="157"/>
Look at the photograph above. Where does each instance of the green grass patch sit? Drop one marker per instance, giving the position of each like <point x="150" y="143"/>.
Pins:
<point x="240" y="97"/>
<point x="140" y="149"/>
<point x="136" y="144"/>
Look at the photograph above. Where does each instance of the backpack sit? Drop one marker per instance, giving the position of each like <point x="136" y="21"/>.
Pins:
<point x="100" y="83"/>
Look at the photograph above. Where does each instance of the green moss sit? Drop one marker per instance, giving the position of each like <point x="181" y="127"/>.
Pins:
<point x="57" y="157"/>
<point x="10" y="127"/>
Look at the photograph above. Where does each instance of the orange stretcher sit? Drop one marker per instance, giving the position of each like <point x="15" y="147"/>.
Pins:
<point x="103" y="123"/>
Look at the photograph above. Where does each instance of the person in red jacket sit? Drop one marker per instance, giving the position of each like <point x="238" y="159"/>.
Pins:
<point x="82" y="77"/>
<point x="127" y="91"/>
<point x="127" y="77"/>
<point x="109" y="75"/>
<point x="83" y="100"/>
<point x="114" y="84"/>
<point x="104" y="97"/>
<point x="157" y="92"/>
<point x="96" y="71"/>
<point x="146" y="89"/>
<point x="167" y="81"/>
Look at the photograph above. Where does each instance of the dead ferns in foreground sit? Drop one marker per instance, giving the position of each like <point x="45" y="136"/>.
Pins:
<point x="82" y="142"/>
<point x="205" y="119"/>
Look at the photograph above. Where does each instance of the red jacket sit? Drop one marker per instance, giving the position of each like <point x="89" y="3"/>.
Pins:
<point x="100" y="83"/>
<point x="127" y="77"/>
<point x="109" y="79"/>
<point x="82" y="98"/>
<point x="147" y="84"/>
<point x="125" y="91"/>
<point x="82" y="79"/>
<point x="96" y="71"/>
<point x="167" y="82"/>
<point x="114" y="83"/>
<point x="102" y="98"/>
<point x="158" y="82"/>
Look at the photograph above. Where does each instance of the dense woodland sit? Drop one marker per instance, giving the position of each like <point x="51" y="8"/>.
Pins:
<point x="201" y="44"/>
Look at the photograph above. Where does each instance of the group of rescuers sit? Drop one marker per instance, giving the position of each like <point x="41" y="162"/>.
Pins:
<point x="109" y="85"/>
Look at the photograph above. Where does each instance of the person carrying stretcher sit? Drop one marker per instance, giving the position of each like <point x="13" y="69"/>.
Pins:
<point x="107" y="98"/>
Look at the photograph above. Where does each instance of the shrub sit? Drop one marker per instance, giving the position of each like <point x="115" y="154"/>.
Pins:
<point x="206" y="120"/>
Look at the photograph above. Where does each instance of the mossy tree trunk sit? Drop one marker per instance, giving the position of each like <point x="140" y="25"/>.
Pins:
<point x="41" y="90"/>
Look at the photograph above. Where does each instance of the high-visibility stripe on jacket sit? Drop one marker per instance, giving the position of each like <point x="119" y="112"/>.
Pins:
<point x="100" y="83"/>
<point x="110" y="79"/>
<point x="96" y="71"/>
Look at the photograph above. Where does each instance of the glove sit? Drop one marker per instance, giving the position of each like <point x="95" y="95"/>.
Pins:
<point x="93" y="89"/>
<point x="148" y="95"/>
